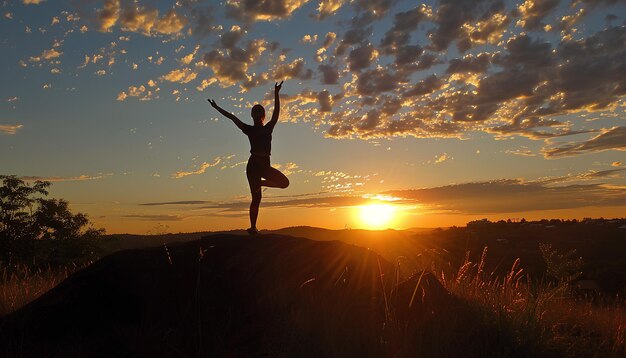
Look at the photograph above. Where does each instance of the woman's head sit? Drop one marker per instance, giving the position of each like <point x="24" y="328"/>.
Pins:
<point x="258" y="113"/>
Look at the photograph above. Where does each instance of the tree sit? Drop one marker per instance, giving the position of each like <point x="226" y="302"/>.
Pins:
<point x="16" y="207"/>
<point x="26" y="215"/>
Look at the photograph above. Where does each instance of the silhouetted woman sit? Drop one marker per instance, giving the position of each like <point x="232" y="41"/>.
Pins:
<point x="259" y="171"/>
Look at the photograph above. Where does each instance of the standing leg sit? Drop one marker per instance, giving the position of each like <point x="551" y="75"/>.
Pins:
<point x="254" y="180"/>
<point x="254" y="210"/>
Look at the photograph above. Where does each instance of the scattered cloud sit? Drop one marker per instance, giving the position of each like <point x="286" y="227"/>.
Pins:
<point x="442" y="158"/>
<point x="532" y="12"/>
<point x="184" y="75"/>
<point x="328" y="7"/>
<point x="262" y="10"/>
<point x="231" y="66"/>
<point x="135" y="18"/>
<point x="109" y="15"/>
<point x="142" y="92"/>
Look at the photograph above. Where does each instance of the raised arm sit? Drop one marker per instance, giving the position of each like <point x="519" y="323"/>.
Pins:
<point x="276" y="112"/>
<point x="228" y="115"/>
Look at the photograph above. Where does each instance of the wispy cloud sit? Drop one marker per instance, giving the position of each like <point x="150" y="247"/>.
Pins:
<point x="10" y="128"/>
<point x="610" y="139"/>
<point x="201" y="168"/>
<point x="149" y="217"/>
<point x="513" y="195"/>
<point x="182" y="202"/>
<point x="82" y="177"/>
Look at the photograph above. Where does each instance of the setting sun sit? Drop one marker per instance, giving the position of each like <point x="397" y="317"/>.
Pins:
<point x="377" y="216"/>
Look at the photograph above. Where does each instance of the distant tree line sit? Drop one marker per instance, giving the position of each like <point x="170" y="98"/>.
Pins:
<point x="26" y="216"/>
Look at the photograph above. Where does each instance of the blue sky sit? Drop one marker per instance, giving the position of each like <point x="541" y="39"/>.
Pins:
<point x="107" y="98"/>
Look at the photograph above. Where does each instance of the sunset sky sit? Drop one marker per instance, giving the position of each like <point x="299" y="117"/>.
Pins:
<point x="446" y="111"/>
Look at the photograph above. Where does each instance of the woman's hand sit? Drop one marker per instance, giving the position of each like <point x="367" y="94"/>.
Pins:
<point x="277" y="86"/>
<point x="213" y="104"/>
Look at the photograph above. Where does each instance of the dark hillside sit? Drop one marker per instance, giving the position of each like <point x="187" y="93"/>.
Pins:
<point x="224" y="294"/>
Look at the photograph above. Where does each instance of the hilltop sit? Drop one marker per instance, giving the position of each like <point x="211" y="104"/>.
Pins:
<point x="223" y="295"/>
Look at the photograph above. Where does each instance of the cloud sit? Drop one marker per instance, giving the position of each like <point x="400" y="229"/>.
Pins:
<point x="201" y="168"/>
<point x="511" y="195"/>
<point x="139" y="19"/>
<point x="148" y="217"/>
<point x="580" y="177"/>
<point x="309" y="39"/>
<point x="142" y="92"/>
<point x="465" y="21"/>
<point x="32" y="2"/>
<point x="325" y="100"/>
<point x="470" y="64"/>
<point x="229" y="39"/>
<point x="231" y="66"/>
<point x="81" y="177"/>
<point x="361" y="57"/>
<point x="525" y="152"/>
<point x="488" y="197"/>
<point x="294" y="69"/>
<point x="10" y="128"/>
<point x="318" y="202"/>
<point x="46" y="55"/>
<point x="404" y="23"/>
<point x="378" y="80"/>
<point x="108" y="16"/>
<point x="330" y="74"/>
<point x="442" y="158"/>
<point x="428" y="85"/>
<point x="182" y="202"/>
<point x="328" y="7"/>
<point x="610" y="139"/>
<point x="532" y="12"/>
<point x="147" y="21"/>
<point x="184" y="75"/>
<point x="616" y="164"/>
<point x="329" y="39"/>
<point x="262" y="10"/>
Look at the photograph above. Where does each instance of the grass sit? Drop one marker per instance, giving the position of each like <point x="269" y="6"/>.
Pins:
<point x="22" y="284"/>
<point x="498" y="316"/>
<point x="543" y="319"/>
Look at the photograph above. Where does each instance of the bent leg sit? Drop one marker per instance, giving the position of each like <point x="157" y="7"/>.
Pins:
<point x="274" y="178"/>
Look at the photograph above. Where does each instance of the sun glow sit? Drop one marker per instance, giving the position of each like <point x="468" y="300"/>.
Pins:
<point x="377" y="216"/>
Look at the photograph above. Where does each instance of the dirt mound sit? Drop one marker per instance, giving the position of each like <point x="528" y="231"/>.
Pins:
<point x="223" y="295"/>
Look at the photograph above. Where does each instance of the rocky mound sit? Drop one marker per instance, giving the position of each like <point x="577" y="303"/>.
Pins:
<point x="227" y="295"/>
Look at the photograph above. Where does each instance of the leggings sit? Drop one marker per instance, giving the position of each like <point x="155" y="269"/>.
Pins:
<point x="259" y="168"/>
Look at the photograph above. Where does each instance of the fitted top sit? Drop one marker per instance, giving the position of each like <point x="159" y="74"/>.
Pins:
<point x="260" y="138"/>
